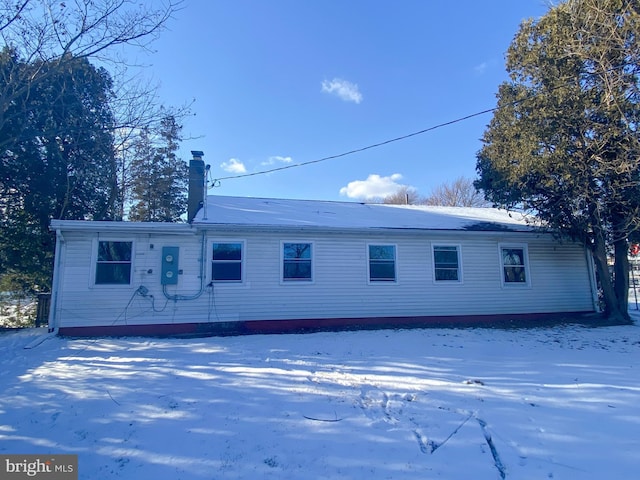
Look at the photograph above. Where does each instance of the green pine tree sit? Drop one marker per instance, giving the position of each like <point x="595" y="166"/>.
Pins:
<point x="57" y="163"/>
<point x="159" y="178"/>
<point x="563" y="143"/>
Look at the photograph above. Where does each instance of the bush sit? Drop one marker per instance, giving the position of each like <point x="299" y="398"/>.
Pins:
<point x="17" y="310"/>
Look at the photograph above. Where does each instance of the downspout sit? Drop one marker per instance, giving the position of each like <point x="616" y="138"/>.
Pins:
<point x="593" y="281"/>
<point x="175" y="298"/>
<point x="55" y="283"/>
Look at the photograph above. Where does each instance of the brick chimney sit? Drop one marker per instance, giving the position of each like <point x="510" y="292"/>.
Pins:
<point x="196" y="199"/>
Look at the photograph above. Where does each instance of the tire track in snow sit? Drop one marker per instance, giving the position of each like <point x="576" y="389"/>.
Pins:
<point x="377" y="404"/>
<point x="494" y="452"/>
<point x="391" y="405"/>
<point x="380" y="405"/>
<point x="430" y="446"/>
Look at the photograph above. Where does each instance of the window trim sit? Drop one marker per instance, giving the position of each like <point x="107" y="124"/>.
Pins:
<point x="395" y="264"/>
<point x="298" y="281"/>
<point x="458" y="248"/>
<point x="243" y="251"/>
<point x="527" y="270"/>
<point x="94" y="262"/>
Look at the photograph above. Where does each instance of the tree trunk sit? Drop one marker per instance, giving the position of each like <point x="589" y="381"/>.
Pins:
<point x="621" y="276"/>
<point x="611" y="304"/>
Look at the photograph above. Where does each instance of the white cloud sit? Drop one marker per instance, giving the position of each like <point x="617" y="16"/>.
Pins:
<point x="374" y="186"/>
<point x="277" y="159"/>
<point x="233" y="166"/>
<point x="486" y="66"/>
<point x="481" y="68"/>
<point x="347" y="91"/>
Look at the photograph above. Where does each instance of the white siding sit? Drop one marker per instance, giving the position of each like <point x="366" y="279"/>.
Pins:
<point x="558" y="273"/>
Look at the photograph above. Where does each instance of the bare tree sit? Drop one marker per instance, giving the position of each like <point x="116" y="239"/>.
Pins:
<point x="459" y="193"/>
<point x="53" y="34"/>
<point x="404" y="196"/>
<point x="137" y="111"/>
<point x="46" y="32"/>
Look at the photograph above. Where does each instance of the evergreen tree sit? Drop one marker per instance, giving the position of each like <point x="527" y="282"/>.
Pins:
<point x="60" y="164"/>
<point x="563" y="143"/>
<point x="159" y="178"/>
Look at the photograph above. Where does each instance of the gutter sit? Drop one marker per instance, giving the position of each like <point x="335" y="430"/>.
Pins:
<point x="593" y="281"/>
<point x="55" y="283"/>
<point x="124" y="227"/>
<point x="288" y="228"/>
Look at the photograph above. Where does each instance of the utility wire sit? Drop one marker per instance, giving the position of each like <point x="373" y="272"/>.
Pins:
<point x="357" y="150"/>
<point x="216" y="181"/>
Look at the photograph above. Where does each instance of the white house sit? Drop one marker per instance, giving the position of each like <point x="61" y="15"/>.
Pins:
<point x="269" y="265"/>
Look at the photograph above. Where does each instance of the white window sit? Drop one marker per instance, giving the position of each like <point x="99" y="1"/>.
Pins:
<point x="446" y="263"/>
<point x="297" y="261"/>
<point x="382" y="263"/>
<point x="514" y="264"/>
<point x="113" y="263"/>
<point x="226" y="261"/>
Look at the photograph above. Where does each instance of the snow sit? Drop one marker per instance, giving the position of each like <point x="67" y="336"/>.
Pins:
<point x="223" y="210"/>
<point x="556" y="402"/>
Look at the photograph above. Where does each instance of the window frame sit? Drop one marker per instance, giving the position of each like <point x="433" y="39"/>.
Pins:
<point x="527" y="271"/>
<point x="382" y="281"/>
<point x="243" y="251"/>
<point x="297" y="281"/>
<point x="94" y="262"/>
<point x="458" y="250"/>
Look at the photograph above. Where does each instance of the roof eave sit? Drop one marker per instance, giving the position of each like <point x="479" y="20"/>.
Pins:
<point x="239" y="227"/>
<point x="122" y="227"/>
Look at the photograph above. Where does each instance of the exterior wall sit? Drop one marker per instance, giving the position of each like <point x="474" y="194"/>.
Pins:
<point x="79" y="302"/>
<point x="340" y="287"/>
<point x="558" y="273"/>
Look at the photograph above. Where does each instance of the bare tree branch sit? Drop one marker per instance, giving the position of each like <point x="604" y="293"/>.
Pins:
<point x="459" y="193"/>
<point x="10" y="12"/>
<point x="404" y="196"/>
<point x="44" y="31"/>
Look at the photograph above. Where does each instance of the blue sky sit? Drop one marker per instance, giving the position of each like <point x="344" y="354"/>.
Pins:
<point x="282" y="82"/>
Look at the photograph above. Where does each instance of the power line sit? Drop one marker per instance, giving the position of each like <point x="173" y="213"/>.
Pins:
<point x="358" y="150"/>
<point x="216" y="181"/>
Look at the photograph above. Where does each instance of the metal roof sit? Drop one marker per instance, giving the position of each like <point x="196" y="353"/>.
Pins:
<point x="272" y="212"/>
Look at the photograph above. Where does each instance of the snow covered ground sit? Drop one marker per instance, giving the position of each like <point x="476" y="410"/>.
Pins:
<point x="560" y="402"/>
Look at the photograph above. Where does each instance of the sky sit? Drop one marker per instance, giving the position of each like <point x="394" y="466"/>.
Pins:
<point x="283" y="82"/>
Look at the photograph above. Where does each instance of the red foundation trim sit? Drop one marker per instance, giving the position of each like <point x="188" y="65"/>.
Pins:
<point x="333" y="324"/>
